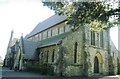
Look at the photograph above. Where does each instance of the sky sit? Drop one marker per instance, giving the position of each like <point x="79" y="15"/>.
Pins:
<point x="22" y="16"/>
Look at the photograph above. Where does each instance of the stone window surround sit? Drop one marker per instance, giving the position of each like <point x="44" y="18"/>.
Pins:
<point x="75" y="52"/>
<point x="42" y="36"/>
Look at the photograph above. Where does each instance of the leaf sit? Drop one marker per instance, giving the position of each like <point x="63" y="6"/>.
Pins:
<point x="95" y="13"/>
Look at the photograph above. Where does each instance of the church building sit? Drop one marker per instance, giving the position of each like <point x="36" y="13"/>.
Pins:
<point x="81" y="52"/>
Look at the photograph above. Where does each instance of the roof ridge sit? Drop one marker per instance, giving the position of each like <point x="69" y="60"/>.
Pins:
<point x="51" y="21"/>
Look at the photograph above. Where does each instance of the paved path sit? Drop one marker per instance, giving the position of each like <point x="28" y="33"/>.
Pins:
<point x="10" y="74"/>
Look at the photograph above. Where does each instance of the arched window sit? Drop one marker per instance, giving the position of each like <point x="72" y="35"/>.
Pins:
<point x="75" y="52"/>
<point x="47" y="56"/>
<point x="92" y="38"/>
<point x="53" y="53"/>
<point x="101" y="39"/>
<point x="41" y="56"/>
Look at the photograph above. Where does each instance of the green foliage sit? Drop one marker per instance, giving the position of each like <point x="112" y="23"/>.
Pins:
<point x="78" y="13"/>
<point x="45" y="69"/>
<point x="60" y="62"/>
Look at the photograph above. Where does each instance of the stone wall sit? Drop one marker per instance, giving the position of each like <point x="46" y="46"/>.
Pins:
<point x="64" y="59"/>
<point x="102" y="57"/>
<point x="86" y="55"/>
<point x="72" y="68"/>
<point x="114" y="56"/>
<point x="43" y="54"/>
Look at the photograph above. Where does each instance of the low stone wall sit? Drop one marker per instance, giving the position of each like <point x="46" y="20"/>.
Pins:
<point x="73" y="71"/>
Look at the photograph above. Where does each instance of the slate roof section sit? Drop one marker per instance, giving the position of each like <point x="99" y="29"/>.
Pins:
<point x="53" y="20"/>
<point x="53" y="40"/>
<point x="30" y="49"/>
<point x="113" y="47"/>
<point x="12" y="43"/>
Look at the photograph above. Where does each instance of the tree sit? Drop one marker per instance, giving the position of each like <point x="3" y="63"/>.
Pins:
<point x="97" y="14"/>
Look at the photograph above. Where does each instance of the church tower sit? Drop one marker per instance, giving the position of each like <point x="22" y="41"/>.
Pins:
<point x="7" y="56"/>
<point x="10" y="38"/>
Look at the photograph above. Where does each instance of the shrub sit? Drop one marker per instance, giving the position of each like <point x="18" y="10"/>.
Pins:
<point x="45" y="69"/>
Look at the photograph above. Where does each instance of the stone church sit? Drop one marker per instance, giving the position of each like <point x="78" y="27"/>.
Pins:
<point x="69" y="53"/>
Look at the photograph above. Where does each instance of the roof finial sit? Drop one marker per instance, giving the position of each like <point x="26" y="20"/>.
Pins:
<point x="12" y="31"/>
<point x="22" y="34"/>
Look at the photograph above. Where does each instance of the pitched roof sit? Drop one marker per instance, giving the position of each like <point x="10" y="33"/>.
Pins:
<point x="51" y="21"/>
<point x="12" y="43"/>
<point x="29" y="49"/>
<point x="113" y="47"/>
<point x="53" y="40"/>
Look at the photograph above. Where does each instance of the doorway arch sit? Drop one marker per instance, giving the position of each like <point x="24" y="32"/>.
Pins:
<point x="98" y="63"/>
